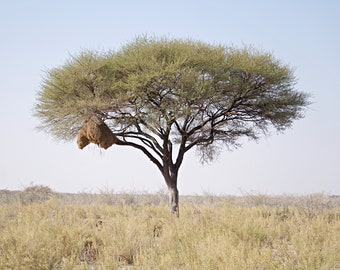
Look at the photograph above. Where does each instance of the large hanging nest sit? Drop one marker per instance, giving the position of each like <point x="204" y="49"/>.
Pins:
<point x="96" y="131"/>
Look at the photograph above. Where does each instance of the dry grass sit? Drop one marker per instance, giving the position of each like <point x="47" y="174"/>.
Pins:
<point x="132" y="231"/>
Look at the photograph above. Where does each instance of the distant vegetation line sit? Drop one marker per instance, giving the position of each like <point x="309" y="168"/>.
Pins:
<point x="41" y="193"/>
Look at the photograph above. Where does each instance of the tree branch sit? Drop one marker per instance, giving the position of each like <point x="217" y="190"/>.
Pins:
<point x="147" y="142"/>
<point x="144" y="150"/>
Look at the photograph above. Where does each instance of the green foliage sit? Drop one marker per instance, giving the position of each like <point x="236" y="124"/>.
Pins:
<point x="186" y="91"/>
<point x="72" y="92"/>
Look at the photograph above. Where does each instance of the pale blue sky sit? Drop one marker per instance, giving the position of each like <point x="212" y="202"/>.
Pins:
<point x="38" y="35"/>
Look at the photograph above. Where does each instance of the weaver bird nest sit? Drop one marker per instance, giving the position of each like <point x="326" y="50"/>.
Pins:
<point x="96" y="131"/>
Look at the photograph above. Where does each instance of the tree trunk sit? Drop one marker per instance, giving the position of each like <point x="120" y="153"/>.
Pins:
<point x="171" y="181"/>
<point x="173" y="197"/>
<point x="170" y="173"/>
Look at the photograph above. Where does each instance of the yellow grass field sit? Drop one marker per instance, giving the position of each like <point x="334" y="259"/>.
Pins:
<point x="130" y="232"/>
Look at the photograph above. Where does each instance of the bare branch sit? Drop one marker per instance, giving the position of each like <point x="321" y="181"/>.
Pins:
<point x="144" y="150"/>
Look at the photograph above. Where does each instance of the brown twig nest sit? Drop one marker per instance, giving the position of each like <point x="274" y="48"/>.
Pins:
<point x="96" y="131"/>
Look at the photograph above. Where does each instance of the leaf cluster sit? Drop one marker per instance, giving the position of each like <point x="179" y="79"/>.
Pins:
<point x="69" y="94"/>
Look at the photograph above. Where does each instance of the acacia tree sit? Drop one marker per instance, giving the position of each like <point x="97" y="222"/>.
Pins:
<point x="165" y="97"/>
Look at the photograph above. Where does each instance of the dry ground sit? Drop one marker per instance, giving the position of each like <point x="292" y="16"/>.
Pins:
<point x="43" y="230"/>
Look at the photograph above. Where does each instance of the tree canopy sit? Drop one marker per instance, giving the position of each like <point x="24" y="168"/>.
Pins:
<point x="165" y="97"/>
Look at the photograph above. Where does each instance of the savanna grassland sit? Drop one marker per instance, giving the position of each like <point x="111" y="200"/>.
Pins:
<point x="43" y="230"/>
